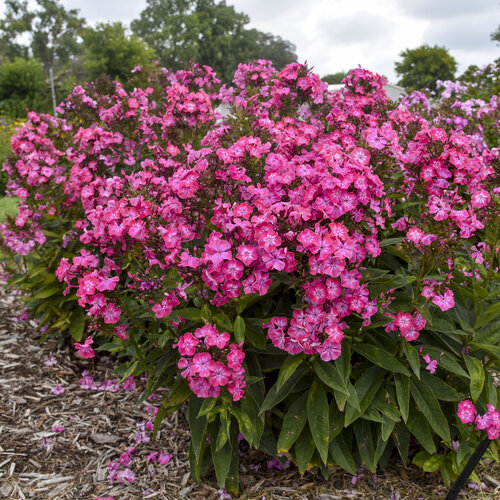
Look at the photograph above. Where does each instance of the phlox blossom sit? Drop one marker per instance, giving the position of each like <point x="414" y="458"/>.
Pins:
<point x="84" y="350"/>
<point x="445" y="301"/>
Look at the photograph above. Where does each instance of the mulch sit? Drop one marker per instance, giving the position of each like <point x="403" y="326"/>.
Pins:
<point x="38" y="461"/>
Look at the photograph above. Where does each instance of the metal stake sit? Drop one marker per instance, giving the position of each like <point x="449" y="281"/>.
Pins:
<point x="468" y="469"/>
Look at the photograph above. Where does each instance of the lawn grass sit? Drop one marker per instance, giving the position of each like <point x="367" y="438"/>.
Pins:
<point x="8" y="206"/>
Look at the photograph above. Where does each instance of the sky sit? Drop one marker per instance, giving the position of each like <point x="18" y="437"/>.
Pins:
<point x="337" y="35"/>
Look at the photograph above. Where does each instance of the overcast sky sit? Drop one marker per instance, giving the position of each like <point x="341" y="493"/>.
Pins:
<point x="335" y="35"/>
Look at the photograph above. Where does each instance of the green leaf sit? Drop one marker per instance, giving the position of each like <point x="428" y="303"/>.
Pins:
<point x="366" y="388"/>
<point x="433" y="463"/>
<point x="381" y="358"/>
<point x="47" y="291"/>
<point x="390" y="241"/>
<point x="492" y="350"/>
<point x="77" y="324"/>
<point x="412" y="357"/>
<point x="245" y="425"/>
<point x="419" y="427"/>
<point x="476" y="370"/>
<point x="363" y="434"/>
<point x="317" y="416"/>
<point x="429" y="406"/>
<point x="387" y="428"/>
<point x="275" y="395"/>
<point x="160" y="415"/>
<point x="304" y="449"/>
<point x="197" y="425"/>
<point x="294" y="422"/>
<point x="223" y="322"/>
<point x="441" y="389"/>
<point x="420" y="458"/>
<point x="239" y="329"/>
<point x="329" y="375"/>
<point x="488" y="316"/>
<point x="222" y="461"/>
<point x="401" y="438"/>
<point x="191" y="313"/>
<point x="288" y="368"/>
<point x="403" y="394"/>
<point x="342" y="454"/>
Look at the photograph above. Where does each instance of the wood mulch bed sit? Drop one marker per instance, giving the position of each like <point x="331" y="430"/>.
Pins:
<point x="39" y="460"/>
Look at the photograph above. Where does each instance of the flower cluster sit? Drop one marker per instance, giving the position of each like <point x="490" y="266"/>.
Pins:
<point x="489" y="422"/>
<point x="210" y="362"/>
<point x="164" y="204"/>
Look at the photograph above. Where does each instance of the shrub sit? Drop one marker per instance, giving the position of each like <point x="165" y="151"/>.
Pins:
<point x="317" y="271"/>
<point x="22" y="86"/>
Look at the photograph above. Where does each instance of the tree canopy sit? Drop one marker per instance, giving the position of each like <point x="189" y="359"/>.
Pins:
<point x="420" y="68"/>
<point x="335" y="78"/>
<point x="22" y="85"/>
<point x="109" y="50"/>
<point x="53" y="31"/>
<point x="207" y="32"/>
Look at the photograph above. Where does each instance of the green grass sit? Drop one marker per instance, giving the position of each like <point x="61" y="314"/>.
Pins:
<point x="8" y="206"/>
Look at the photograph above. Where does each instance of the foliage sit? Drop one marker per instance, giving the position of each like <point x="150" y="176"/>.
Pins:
<point x="335" y="78"/>
<point x="6" y="132"/>
<point x="22" y="85"/>
<point x="481" y="83"/>
<point x="422" y="67"/>
<point x="495" y="36"/>
<point x="208" y="32"/>
<point x="317" y="271"/>
<point x="109" y="50"/>
<point x="53" y="32"/>
<point x="8" y="207"/>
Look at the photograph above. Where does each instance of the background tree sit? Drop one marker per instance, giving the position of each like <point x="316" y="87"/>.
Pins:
<point x="335" y="78"/>
<point x="420" y="68"/>
<point x="53" y="32"/>
<point x="208" y="32"/>
<point x="109" y="50"/>
<point x="495" y="36"/>
<point x="22" y="85"/>
<point x="17" y="20"/>
<point x="258" y="45"/>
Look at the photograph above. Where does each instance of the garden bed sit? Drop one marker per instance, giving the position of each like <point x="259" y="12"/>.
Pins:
<point x="39" y="462"/>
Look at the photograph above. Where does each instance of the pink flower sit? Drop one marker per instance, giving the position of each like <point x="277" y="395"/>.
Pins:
<point x="466" y="411"/>
<point x="445" y="301"/>
<point x="404" y="321"/>
<point x="111" y="314"/>
<point x="58" y="428"/>
<point x="415" y="234"/>
<point x="480" y="199"/>
<point x="219" y="250"/>
<point x="316" y="292"/>
<point x="121" y="332"/>
<point x="59" y="389"/>
<point x="431" y="364"/>
<point x="202" y="364"/>
<point x="129" y="384"/>
<point x="51" y="361"/>
<point x="330" y="350"/>
<point x="84" y="350"/>
<point x="164" y="458"/>
<point x="126" y="475"/>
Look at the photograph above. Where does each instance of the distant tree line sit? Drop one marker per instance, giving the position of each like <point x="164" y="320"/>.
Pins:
<point x="49" y="37"/>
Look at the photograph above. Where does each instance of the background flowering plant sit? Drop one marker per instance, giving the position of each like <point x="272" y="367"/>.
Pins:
<point x="316" y="271"/>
